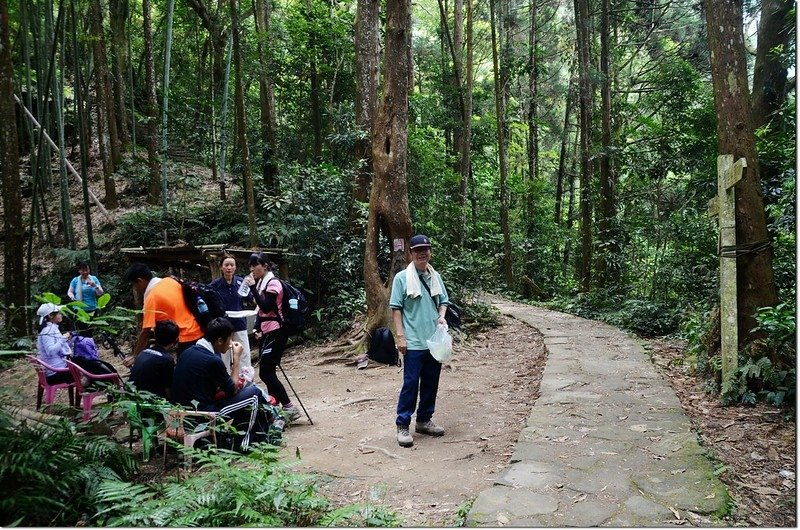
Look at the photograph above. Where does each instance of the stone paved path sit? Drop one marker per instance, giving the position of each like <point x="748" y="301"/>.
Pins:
<point x="606" y="444"/>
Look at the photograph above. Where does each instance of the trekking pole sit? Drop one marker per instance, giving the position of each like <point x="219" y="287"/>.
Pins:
<point x="295" y="394"/>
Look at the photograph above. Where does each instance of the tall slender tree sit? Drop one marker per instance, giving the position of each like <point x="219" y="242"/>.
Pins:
<point x="389" y="216"/>
<point x="755" y="278"/>
<point x="241" y="125"/>
<point x="13" y="265"/>
<point x="466" y="144"/>
<point x="269" y="144"/>
<point x="776" y="31"/>
<point x="502" y="150"/>
<point x="151" y="107"/>
<point x="585" y="93"/>
<point x="367" y="41"/>
<point x="119" y="12"/>
<point x="83" y="133"/>
<point x="607" y="270"/>
<point x="106" y="122"/>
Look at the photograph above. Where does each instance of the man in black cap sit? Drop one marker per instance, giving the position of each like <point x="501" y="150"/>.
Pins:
<point x="418" y="302"/>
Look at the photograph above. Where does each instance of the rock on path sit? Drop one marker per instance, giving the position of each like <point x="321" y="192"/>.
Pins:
<point x="606" y="444"/>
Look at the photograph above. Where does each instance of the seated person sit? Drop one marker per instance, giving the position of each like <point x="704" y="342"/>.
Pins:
<point x="153" y="368"/>
<point x="53" y="346"/>
<point x="200" y="376"/>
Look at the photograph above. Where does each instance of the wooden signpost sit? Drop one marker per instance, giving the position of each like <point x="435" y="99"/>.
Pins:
<point x="724" y="206"/>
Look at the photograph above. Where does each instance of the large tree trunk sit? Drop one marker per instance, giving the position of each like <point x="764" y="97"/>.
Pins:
<point x="241" y="126"/>
<point x="607" y="271"/>
<point x="119" y="11"/>
<point x="585" y="91"/>
<point x="14" y="247"/>
<point x="151" y="107"/>
<point x="755" y="280"/>
<point x="263" y="10"/>
<point x="500" y="110"/>
<point x="367" y="43"/>
<point x="389" y="216"/>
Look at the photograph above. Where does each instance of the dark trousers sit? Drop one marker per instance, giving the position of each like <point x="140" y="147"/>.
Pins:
<point x="248" y="417"/>
<point x="59" y="377"/>
<point x="420" y="376"/>
<point x="183" y="346"/>
<point x="270" y="353"/>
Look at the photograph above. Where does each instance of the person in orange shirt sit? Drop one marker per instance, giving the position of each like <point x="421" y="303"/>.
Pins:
<point x="163" y="300"/>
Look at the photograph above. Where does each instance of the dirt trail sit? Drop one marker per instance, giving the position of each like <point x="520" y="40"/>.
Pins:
<point x="485" y="395"/>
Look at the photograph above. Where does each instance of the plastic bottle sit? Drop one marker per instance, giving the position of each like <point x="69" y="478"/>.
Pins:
<point x="202" y="307"/>
<point x="293" y="303"/>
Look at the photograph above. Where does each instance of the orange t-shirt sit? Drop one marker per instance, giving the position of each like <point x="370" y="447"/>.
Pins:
<point x="165" y="302"/>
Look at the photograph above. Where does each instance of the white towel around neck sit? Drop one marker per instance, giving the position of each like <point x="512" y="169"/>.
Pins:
<point x="413" y="287"/>
<point x="262" y="283"/>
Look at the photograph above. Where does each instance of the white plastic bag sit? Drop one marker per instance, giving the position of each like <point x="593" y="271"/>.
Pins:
<point x="441" y="344"/>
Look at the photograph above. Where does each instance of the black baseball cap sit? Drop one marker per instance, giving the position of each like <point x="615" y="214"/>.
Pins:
<point x="419" y="241"/>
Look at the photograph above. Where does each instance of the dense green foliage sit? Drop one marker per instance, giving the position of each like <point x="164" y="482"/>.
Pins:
<point x="662" y="244"/>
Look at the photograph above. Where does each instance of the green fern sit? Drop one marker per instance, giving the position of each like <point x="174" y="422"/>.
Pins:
<point x="49" y="471"/>
<point x="226" y="489"/>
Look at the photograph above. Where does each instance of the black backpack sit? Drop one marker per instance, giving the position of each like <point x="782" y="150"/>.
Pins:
<point x="202" y="300"/>
<point x="294" y="317"/>
<point x="382" y="348"/>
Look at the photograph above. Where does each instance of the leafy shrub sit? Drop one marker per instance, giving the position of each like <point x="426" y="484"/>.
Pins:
<point x="779" y="328"/>
<point x="649" y="319"/>
<point x="757" y="378"/>
<point x="50" y="471"/>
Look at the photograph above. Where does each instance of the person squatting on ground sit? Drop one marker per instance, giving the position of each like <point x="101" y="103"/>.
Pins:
<point x="163" y="300"/>
<point x="152" y="371"/>
<point x="53" y="346"/>
<point x="228" y="286"/>
<point x="416" y="314"/>
<point x="200" y="376"/>
<point x="85" y="288"/>
<point x="268" y="296"/>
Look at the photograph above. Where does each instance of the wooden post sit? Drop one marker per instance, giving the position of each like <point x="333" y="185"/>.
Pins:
<point x="724" y="205"/>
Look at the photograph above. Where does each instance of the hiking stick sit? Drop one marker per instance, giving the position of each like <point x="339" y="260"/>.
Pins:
<point x="295" y="394"/>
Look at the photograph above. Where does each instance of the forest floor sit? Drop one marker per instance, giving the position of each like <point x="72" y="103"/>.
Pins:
<point x="485" y="397"/>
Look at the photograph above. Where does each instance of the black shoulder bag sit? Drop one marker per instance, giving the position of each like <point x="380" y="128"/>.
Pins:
<point x="452" y="313"/>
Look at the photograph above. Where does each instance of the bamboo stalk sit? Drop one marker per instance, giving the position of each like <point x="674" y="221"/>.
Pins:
<point x="52" y="144"/>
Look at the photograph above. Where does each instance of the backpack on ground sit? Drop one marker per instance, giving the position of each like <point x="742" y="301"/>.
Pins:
<point x="382" y="348"/>
<point x="294" y="307"/>
<point x="202" y="300"/>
